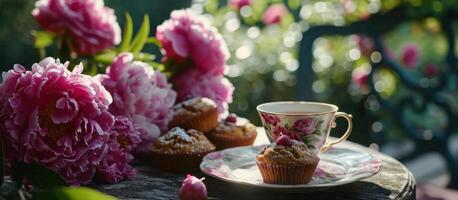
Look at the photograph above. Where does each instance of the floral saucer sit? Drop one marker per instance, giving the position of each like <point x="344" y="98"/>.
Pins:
<point x="337" y="166"/>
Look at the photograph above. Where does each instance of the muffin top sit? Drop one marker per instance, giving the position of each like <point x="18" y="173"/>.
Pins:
<point x="286" y="151"/>
<point x="193" y="107"/>
<point x="235" y="126"/>
<point x="177" y="140"/>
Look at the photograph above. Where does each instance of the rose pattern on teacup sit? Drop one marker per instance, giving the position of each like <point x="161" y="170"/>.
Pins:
<point x="270" y="119"/>
<point x="305" y="125"/>
<point x="312" y="130"/>
<point x="279" y="131"/>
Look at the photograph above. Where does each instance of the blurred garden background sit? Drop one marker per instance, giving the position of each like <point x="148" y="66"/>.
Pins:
<point x="265" y="59"/>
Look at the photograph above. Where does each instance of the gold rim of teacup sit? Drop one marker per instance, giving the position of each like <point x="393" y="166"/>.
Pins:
<point x="334" y="108"/>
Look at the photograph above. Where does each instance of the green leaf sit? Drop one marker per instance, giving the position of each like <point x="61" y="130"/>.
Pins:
<point x="141" y="37"/>
<point x="75" y="193"/>
<point x="153" y="40"/>
<point x="127" y="34"/>
<point x="144" y="57"/>
<point x="157" y="66"/>
<point x="105" y="57"/>
<point x="43" y="39"/>
<point x="41" y="176"/>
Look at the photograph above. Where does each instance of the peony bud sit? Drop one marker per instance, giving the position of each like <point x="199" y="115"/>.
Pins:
<point x="192" y="189"/>
<point x="284" y="140"/>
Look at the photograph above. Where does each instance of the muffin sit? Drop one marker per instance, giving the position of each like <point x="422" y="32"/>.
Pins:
<point x="286" y="162"/>
<point x="233" y="132"/>
<point x="198" y="113"/>
<point x="180" y="151"/>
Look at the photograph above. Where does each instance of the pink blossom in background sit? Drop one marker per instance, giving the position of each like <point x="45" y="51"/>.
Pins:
<point x="365" y="44"/>
<point x="55" y="117"/>
<point x="90" y="25"/>
<point x="193" y="83"/>
<point x="274" y="14"/>
<point x="141" y="94"/>
<point x="114" y="166"/>
<point x="192" y="188"/>
<point x="431" y="70"/>
<point x="306" y="125"/>
<point x="410" y="56"/>
<point x="348" y="6"/>
<point x="239" y="3"/>
<point x="186" y="36"/>
<point x="360" y="77"/>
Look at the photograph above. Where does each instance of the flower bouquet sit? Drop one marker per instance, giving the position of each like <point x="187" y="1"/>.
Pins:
<point x="85" y="112"/>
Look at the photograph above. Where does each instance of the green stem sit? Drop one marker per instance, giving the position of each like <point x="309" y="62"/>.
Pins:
<point x="41" y="53"/>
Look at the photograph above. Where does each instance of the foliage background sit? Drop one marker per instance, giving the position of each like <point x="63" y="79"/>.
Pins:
<point x="265" y="58"/>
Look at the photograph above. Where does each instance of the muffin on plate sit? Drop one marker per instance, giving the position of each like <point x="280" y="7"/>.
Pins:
<point x="233" y="132"/>
<point x="286" y="162"/>
<point x="180" y="151"/>
<point x="197" y="113"/>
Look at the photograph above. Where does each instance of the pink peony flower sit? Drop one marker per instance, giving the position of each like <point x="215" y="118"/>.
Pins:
<point x="55" y="117"/>
<point x="274" y="14"/>
<point x="192" y="83"/>
<point x="410" y="56"/>
<point x="141" y="94"/>
<point x="91" y="26"/>
<point x="239" y="3"/>
<point x="305" y="126"/>
<point x="192" y="189"/>
<point x="114" y="166"/>
<point x="185" y="36"/>
<point x="270" y="119"/>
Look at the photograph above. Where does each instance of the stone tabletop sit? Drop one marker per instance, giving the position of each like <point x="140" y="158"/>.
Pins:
<point x="393" y="181"/>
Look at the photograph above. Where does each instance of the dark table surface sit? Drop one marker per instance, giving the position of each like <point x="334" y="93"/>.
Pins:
<point x="393" y="181"/>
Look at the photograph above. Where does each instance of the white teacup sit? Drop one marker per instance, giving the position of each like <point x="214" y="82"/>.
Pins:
<point x="307" y="122"/>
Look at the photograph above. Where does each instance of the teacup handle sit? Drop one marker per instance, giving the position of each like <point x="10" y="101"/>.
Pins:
<point x="345" y="135"/>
